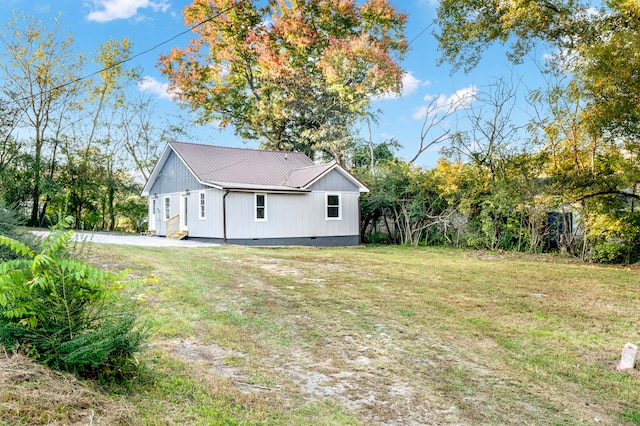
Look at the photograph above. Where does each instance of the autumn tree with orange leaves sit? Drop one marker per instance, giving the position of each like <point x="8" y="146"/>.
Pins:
<point x="288" y="73"/>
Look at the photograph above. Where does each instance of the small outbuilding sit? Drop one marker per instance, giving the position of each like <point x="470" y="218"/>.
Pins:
<point x="253" y="197"/>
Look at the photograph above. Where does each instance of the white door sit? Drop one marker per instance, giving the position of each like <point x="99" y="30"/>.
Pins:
<point x="152" y="218"/>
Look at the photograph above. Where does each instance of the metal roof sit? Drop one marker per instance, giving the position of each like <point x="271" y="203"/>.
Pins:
<point x="246" y="169"/>
<point x="300" y="178"/>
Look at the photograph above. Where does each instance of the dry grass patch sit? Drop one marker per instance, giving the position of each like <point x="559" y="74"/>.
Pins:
<point x="31" y="394"/>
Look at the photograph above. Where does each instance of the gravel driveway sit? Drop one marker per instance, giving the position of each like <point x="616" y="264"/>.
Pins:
<point x="130" y="240"/>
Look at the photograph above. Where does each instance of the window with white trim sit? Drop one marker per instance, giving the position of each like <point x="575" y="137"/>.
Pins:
<point x="261" y="207"/>
<point x="334" y="207"/>
<point x="202" y="210"/>
<point x="167" y="207"/>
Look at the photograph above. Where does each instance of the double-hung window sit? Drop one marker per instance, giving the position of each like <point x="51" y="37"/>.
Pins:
<point x="261" y="207"/>
<point x="333" y="207"/>
<point x="202" y="209"/>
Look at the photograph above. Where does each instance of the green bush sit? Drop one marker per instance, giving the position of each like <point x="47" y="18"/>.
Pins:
<point x="376" y="238"/>
<point x="609" y="252"/>
<point x="67" y="314"/>
<point x="10" y="221"/>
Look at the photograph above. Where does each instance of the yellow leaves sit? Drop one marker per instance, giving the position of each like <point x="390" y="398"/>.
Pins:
<point x="449" y="175"/>
<point x="630" y="6"/>
<point x="605" y="225"/>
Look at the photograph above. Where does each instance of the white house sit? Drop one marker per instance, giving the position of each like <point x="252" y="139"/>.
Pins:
<point x="255" y="197"/>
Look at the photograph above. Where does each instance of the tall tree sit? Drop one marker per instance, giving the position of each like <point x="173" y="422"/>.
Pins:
<point x="285" y="72"/>
<point x="90" y="152"/>
<point x="609" y="70"/>
<point x="583" y="167"/>
<point x="38" y="67"/>
<point x="469" y="27"/>
<point x="141" y="135"/>
<point x="591" y="126"/>
<point x="595" y="42"/>
<point x="492" y="136"/>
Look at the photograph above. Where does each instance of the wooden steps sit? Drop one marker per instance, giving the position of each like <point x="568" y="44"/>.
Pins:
<point x="173" y="229"/>
<point x="178" y="235"/>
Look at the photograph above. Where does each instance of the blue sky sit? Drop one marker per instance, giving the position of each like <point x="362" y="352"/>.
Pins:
<point x="149" y="22"/>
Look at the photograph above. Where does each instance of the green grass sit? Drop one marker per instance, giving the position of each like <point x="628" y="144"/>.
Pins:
<point x="382" y="334"/>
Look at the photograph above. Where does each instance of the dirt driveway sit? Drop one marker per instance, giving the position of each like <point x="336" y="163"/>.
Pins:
<point x="130" y="240"/>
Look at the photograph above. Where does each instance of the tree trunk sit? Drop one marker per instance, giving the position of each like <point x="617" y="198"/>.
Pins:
<point x="35" y="191"/>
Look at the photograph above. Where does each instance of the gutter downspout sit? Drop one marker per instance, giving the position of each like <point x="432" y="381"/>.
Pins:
<point x="224" y="214"/>
<point x="361" y="240"/>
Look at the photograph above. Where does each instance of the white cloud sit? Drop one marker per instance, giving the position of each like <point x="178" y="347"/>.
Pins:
<point x="109" y="10"/>
<point x="461" y="99"/>
<point x="409" y="85"/>
<point x="151" y="85"/>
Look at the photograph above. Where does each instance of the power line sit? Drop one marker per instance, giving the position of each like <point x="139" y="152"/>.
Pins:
<point x="421" y="32"/>
<point x="130" y="58"/>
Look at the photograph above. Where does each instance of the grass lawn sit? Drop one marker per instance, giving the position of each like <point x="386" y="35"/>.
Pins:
<point x="379" y="335"/>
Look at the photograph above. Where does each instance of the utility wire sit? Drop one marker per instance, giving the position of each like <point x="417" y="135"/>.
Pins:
<point x="421" y="32"/>
<point x="130" y="58"/>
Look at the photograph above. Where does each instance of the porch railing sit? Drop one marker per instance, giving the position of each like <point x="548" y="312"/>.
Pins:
<point x="173" y="225"/>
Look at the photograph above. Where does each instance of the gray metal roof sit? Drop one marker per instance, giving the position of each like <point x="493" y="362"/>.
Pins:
<point x="232" y="167"/>
<point x="247" y="169"/>
<point x="300" y="178"/>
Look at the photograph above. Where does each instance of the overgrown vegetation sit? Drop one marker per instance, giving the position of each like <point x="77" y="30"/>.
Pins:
<point x="459" y="204"/>
<point x="65" y="313"/>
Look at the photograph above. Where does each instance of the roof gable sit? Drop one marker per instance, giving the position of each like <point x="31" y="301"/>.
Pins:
<point x="308" y="176"/>
<point x="303" y="177"/>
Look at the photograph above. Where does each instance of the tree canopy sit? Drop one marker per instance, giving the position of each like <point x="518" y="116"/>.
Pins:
<point x="285" y="72"/>
<point x="596" y="42"/>
<point x="469" y="27"/>
<point x="69" y="144"/>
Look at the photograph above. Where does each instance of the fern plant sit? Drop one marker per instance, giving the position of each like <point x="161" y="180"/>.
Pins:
<point x="10" y="221"/>
<point x="65" y="313"/>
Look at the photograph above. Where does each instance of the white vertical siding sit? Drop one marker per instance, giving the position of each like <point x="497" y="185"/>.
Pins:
<point x="174" y="177"/>
<point x="174" y="209"/>
<point x="334" y="181"/>
<point x="211" y="225"/>
<point x="290" y="215"/>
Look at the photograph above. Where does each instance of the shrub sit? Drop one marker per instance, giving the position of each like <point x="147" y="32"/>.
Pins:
<point x="10" y="221"/>
<point x="67" y="314"/>
<point x="377" y="238"/>
<point x="609" y="252"/>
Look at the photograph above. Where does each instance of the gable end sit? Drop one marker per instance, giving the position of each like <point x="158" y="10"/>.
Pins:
<point x="173" y="176"/>
<point x="334" y="181"/>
